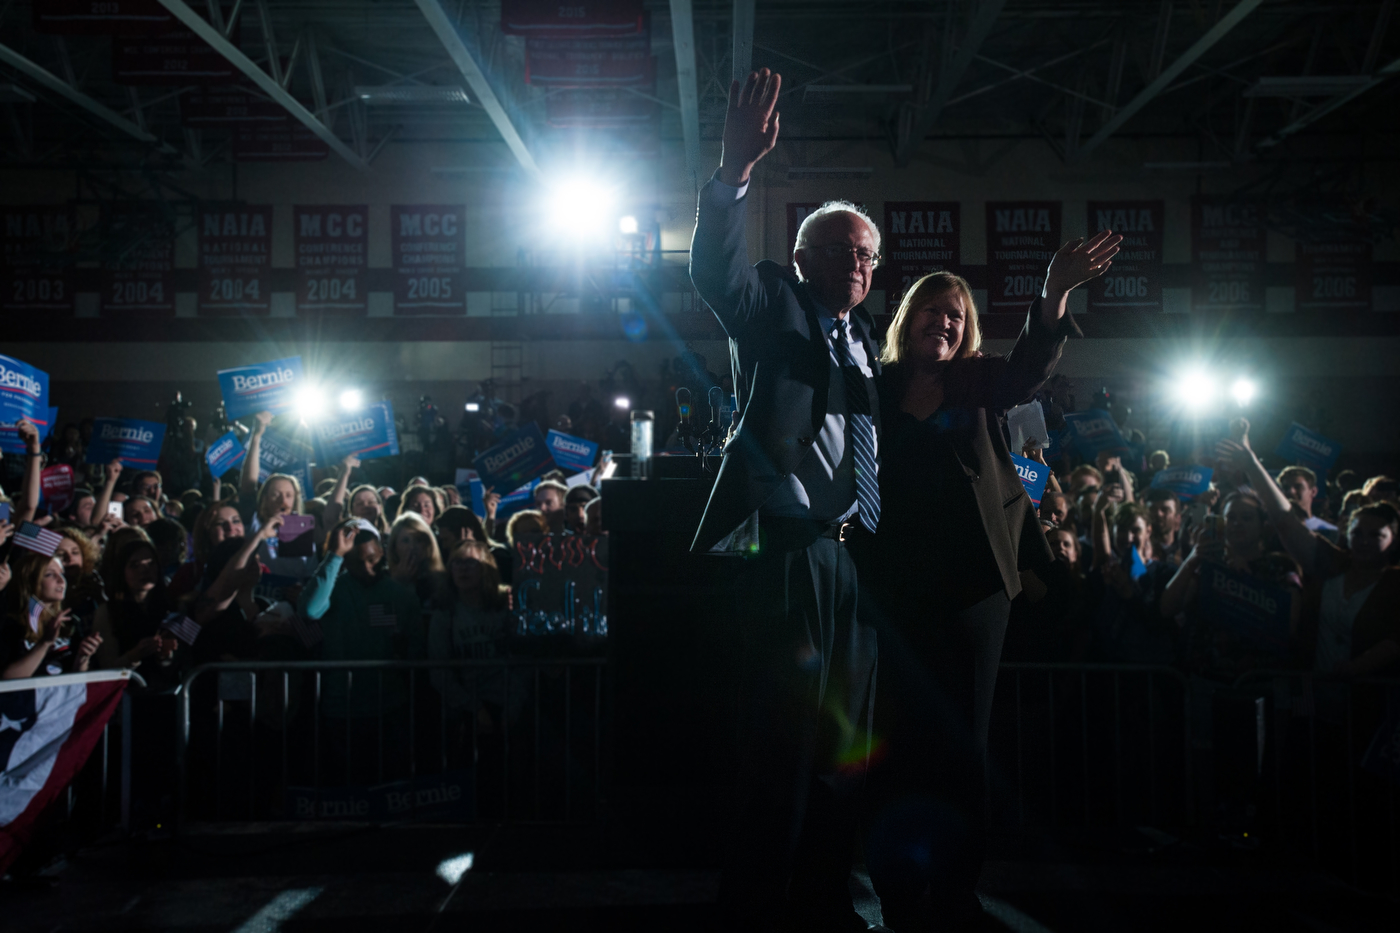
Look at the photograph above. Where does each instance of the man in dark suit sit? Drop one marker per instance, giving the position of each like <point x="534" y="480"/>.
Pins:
<point x="798" y="476"/>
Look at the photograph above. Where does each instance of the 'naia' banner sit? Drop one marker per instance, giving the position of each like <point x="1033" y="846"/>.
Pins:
<point x="1022" y="236"/>
<point x="575" y="19"/>
<point x="920" y="237"/>
<point x="235" y="256"/>
<point x="1135" y="281"/>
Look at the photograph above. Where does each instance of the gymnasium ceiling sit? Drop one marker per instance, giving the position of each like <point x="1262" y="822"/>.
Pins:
<point x="1248" y="80"/>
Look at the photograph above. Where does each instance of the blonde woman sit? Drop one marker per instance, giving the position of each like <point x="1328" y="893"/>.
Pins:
<point x="414" y="558"/>
<point x="953" y="507"/>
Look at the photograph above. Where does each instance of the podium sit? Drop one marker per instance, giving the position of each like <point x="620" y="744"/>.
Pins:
<point x="673" y="650"/>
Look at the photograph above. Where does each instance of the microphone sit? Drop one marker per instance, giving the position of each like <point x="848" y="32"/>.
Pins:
<point x="683" y="403"/>
<point x="716" y="400"/>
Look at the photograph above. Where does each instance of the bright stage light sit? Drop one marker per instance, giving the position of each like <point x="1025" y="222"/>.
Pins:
<point x="310" y="402"/>
<point x="473" y="406"/>
<point x="1196" y="390"/>
<point x="627" y="224"/>
<point x="623" y="402"/>
<point x="1243" y="391"/>
<point x="580" y="207"/>
<point x="352" y="400"/>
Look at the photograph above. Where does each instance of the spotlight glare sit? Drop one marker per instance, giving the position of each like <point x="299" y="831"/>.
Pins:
<point x="310" y="402"/>
<point x="623" y="401"/>
<point x="1196" y="390"/>
<point x="473" y="406"/>
<point x="1244" y="391"/>
<point x="580" y="207"/>
<point x="352" y="400"/>
<point x="627" y="224"/>
<point x="451" y="870"/>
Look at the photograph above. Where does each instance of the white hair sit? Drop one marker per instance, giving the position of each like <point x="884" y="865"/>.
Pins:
<point x="833" y="207"/>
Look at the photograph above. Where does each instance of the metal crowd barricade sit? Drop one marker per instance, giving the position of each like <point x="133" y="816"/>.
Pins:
<point x="87" y="800"/>
<point x="548" y="743"/>
<point x="1328" y="773"/>
<point x="1090" y="744"/>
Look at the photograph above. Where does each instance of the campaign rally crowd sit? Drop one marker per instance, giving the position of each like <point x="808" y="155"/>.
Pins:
<point x="1237" y="562"/>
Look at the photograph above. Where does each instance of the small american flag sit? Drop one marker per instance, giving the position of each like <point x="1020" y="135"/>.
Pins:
<point x="182" y="627"/>
<point x="37" y="539"/>
<point x="36" y="609"/>
<point x="380" y="615"/>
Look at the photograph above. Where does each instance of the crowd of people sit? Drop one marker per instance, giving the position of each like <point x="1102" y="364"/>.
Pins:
<point x="1128" y="586"/>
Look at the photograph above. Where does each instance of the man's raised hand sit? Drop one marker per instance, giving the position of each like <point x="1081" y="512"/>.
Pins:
<point x="750" y="125"/>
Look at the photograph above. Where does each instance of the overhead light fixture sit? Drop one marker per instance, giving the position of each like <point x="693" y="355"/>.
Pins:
<point x="800" y="172"/>
<point x="412" y="94"/>
<point x="1306" y="85"/>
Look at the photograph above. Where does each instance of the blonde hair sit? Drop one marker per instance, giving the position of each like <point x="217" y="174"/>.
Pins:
<point x="916" y="299"/>
<point x="411" y="523"/>
<point x="263" y="515"/>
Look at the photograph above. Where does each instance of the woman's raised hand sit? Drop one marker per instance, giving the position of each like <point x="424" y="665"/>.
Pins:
<point x="351" y="462"/>
<point x="263" y="418"/>
<point x="1080" y="260"/>
<point x="750" y="125"/>
<point x="344" y="541"/>
<point x="269" y="531"/>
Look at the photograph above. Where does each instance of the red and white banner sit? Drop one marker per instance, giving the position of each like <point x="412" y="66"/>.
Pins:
<point x="57" y="485"/>
<point x="575" y="19"/>
<point x="175" y="57"/>
<point x="229" y="105"/>
<point x="1135" y="281"/>
<point x="625" y="60"/>
<point x="235" y="257"/>
<point x="1227" y="255"/>
<point x="920" y="237"/>
<point x="270" y="142"/>
<point x="1333" y="275"/>
<point x="1022" y="236"/>
<point x="138" y="275"/>
<point x="430" y="245"/>
<point x="332" y="250"/>
<point x="33" y="239"/>
<point x="100" y="17"/>
<point x="611" y="108"/>
<point x="48" y="727"/>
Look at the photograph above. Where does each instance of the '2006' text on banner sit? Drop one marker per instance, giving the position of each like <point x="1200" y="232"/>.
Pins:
<point x="136" y="443"/>
<point x="268" y="386"/>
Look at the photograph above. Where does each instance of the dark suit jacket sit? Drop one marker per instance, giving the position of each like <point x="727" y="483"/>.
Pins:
<point x="780" y="361"/>
<point x="984" y="387"/>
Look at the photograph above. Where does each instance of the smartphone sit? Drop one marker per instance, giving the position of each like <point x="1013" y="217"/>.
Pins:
<point x="4" y="511"/>
<point x="114" y="508"/>
<point x="295" y="536"/>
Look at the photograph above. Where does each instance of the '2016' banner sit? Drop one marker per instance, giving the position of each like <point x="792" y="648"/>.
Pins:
<point x="1135" y="281"/>
<point x="429" y="242"/>
<point x="235" y="256"/>
<point x="1022" y="236"/>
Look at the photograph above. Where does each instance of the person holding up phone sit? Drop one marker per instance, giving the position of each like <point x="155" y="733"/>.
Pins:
<point x="36" y="638"/>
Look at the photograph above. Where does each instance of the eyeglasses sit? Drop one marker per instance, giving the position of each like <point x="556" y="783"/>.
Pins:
<point x="840" y="250"/>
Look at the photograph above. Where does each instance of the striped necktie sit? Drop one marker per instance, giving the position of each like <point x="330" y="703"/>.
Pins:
<point x="860" y="428"/>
